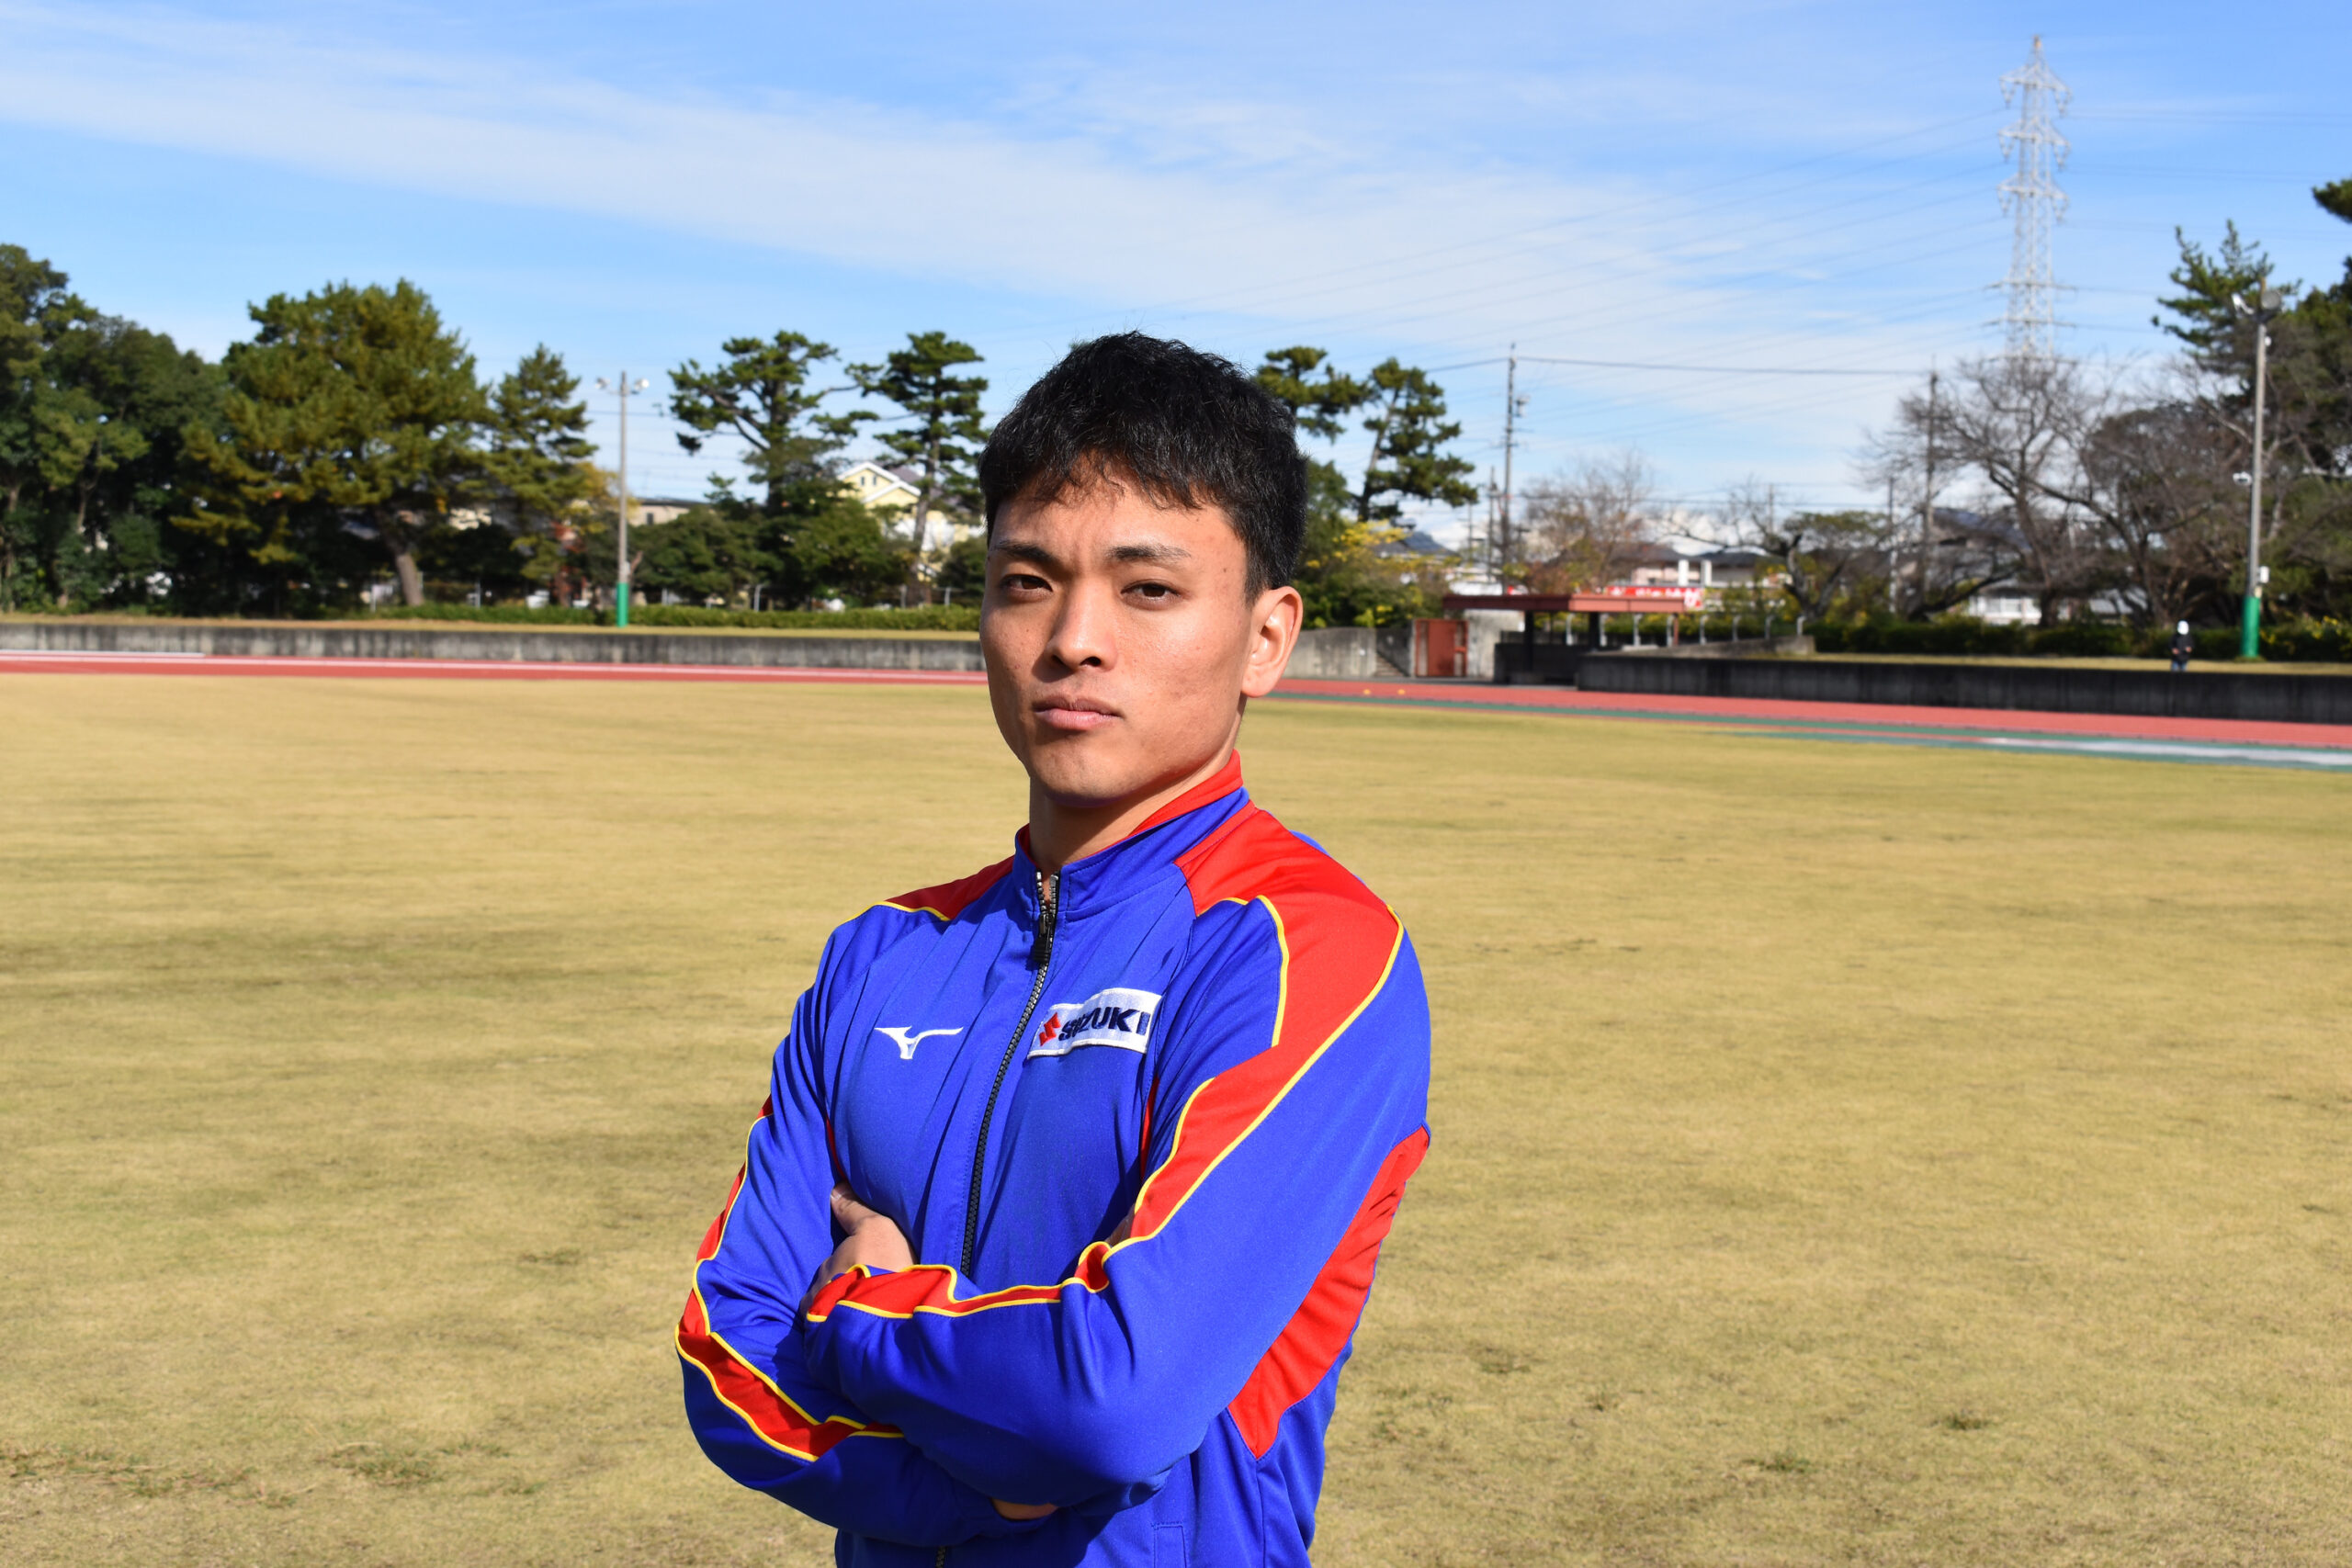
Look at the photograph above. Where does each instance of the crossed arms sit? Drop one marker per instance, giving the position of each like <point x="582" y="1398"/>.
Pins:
<point x="894" y="1400"/>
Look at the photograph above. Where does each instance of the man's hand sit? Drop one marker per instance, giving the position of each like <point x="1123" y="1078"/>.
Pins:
<point x="1021" y="1511"/>
<point x="874" y="1240"/>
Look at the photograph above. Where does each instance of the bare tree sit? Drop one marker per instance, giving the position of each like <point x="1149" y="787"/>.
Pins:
<point x="1827" y="558"/>
<point x="1939" y="556"/>
<point x="2015" y="421"/>
<point x="2152" y="476"/>
<point x="1586" y="526"/>
<point x="2014" y="426"/>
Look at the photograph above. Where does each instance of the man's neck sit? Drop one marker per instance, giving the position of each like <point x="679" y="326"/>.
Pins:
<point x="1060" y="833"/>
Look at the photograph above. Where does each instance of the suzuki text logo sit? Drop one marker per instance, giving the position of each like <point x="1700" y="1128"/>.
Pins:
<point x="1115" y="1016"/>
<point x="907" y="1039"/>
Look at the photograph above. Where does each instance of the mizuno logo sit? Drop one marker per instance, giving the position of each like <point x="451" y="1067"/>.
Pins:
<point x="907" y="1039"/>
<point x="1114" y="1017"/>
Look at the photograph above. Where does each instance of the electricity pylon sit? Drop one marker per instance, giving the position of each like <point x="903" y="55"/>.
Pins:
<point x="2030" y="196"/>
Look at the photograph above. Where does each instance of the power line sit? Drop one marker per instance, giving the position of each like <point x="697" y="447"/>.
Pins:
<point x="1233" y="301"/>
<point x="1714" y="369"/>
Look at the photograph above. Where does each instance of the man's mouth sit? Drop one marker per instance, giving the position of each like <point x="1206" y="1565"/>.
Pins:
<point x="1073" y="713"/>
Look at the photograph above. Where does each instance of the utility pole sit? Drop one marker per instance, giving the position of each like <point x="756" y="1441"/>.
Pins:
<point x="1894" y="571"/>
<point x="2266" y="300"/>
<point x="1510" y="438"/>
<point x="621" y="576"/>
<point x="1928" y="500"/>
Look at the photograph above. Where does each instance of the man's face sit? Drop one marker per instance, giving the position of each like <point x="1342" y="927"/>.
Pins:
<point x="1120" y="640"/>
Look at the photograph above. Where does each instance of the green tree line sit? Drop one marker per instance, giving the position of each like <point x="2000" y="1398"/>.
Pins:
<point x="352" y="447"/>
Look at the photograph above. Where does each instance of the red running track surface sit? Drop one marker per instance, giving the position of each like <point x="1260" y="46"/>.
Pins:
<point x="456" y="670"/>
<point x="1840" y="716"/>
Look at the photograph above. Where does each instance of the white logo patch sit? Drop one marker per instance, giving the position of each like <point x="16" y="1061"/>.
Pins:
<point x="1115" y="1016"/>
<point x="907" y="1039"/>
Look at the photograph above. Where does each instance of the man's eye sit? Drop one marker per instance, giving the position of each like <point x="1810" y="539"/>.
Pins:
<point x="1153" y="589"/>
<point x="1020" y="583"/>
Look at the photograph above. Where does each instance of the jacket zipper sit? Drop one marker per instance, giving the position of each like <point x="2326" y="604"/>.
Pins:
<point x="1048" y="907"/>
<point x="1048" y="891"/>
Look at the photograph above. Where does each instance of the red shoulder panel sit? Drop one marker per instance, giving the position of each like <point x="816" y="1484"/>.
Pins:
<point x="1251" y="855"/>
<point x="949" y="899"/>
<point x="1326" y="1320"/>
<point x="1338" y="944"/>
<point x="1216" y="786"/>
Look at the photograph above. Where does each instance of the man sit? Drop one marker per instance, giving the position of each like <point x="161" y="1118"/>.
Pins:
<point x="1054" y="1232"/>
<point x="2183" y="649"/>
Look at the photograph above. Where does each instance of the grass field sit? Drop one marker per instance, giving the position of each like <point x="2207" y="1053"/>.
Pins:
<point x="1844" y="1154"/>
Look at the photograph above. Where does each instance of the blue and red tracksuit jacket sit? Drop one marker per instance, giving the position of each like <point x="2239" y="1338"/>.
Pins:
<point x="1145" y="1127"/>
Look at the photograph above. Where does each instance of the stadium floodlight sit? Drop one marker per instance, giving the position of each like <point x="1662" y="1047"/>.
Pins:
<point x="623" y="387"/>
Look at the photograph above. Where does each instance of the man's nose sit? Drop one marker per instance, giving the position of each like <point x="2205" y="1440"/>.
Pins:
<point x="1084" y="632"/>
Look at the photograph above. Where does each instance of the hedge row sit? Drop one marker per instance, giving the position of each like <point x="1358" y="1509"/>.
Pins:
<point x="934" y="618"/>
<point x="2289" y="641"/>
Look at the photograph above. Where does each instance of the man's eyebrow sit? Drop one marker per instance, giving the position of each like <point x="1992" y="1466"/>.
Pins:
<point x="1152" y="551"/>
<point x="1018" y="550"/>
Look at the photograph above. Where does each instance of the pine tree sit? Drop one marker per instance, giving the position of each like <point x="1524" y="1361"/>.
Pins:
<point x="537" y="468"/>
<point x="1319" y="403"/>
<point x="942" y="440"/>
<point x="352" y="410"/>
<point x="1409" y="433"/>
<point x="762" y="394"/>
<point x="2207" y="313"/>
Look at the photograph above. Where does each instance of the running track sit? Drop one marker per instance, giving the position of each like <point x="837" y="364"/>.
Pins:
<point x="2325" y="748"/>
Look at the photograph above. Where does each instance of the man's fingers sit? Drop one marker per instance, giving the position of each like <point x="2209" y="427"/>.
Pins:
<point x="1022" y="1510"/>
<point x="850" y="1211"/>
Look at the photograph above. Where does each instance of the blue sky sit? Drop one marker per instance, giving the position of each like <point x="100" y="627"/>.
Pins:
<point x="1787" y="187"/>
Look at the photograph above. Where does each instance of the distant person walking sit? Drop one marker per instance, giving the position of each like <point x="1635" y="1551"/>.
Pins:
<point x="2183" y="645"/>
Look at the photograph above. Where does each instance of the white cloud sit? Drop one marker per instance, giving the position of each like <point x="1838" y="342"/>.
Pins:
<point x="1239" y="193"/>
<point x="1115" y="195"/>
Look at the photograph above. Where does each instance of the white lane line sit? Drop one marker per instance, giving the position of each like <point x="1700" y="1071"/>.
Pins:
<point x="2186" y="751"/>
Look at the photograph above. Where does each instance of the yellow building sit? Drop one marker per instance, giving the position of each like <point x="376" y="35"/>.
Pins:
<point x="892" y="492"/>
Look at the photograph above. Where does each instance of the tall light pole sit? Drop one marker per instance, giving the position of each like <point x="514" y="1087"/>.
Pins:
<point x="2266" y="304"/>
<point x="620" y="575"/>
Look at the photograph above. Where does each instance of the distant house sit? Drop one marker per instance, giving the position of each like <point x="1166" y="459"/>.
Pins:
<point x="2004" y="606"/>
<point x="882" y="489"/>
<point x="642" y="509"/>
<point x="657" y="508"/>
<point x="1695" y="564"/>
<point x="1418" y="544"/>
<point x="892" y="491"/>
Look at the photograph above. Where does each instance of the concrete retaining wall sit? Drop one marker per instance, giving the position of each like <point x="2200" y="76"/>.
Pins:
<point x="476" y="641"/>
<point x="1336" y="653"/>
<point x="2213" y="694"/>
<point x="1745" y="648"/>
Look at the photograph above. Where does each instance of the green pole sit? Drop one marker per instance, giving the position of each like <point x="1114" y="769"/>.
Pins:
<point x="2267" y="299"/>
<point x="620" y="585"/>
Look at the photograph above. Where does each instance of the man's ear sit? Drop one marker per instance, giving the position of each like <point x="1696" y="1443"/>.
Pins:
<point x="1274" y="632"/>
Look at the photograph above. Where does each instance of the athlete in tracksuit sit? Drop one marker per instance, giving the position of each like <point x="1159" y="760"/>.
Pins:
<point x="1054" y="1232"/>
<point x="1209" y="1027"/>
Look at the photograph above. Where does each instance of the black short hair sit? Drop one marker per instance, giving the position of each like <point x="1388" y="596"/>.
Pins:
<point x="1191" y="428"/>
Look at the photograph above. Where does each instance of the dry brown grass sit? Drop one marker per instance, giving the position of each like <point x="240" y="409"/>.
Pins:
<point x="1844" y="1154"/>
